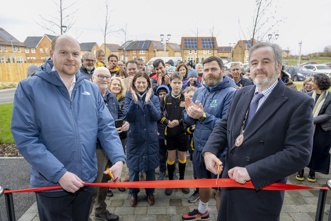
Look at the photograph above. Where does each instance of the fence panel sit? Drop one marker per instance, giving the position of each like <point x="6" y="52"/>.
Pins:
<point x="13" y="72"/>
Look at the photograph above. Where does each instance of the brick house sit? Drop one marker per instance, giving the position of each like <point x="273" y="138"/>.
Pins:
<point x="88" y="47"/>
<point x="37" y="48"/>
<point x="11" y="49"/>
<point x="110" y="49"/>
<point x="196" y="49"/>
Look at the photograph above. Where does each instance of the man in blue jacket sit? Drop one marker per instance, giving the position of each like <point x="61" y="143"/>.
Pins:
<point x="57" y="118"/>
<point x="208" y="105"/>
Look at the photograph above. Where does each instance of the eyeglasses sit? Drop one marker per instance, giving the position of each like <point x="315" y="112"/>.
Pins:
<point x="101" y="77"/>
<point x="89" y="60"/>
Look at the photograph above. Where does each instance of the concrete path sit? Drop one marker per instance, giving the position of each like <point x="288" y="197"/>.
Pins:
<point x="298" y="205"/>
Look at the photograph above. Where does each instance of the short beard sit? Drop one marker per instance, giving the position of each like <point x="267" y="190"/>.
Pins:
<point x="267" y="81"/>
<point x="212" y="82"/>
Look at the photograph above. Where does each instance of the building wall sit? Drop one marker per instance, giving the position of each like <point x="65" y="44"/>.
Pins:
<point x="12" y="54"/>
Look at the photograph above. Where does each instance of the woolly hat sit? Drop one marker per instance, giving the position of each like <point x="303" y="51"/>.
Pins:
<point x="171" y="68"/>
<point x="162" y="88"/>
<point x="32" y="69"/>
<point x="192" y="73"/>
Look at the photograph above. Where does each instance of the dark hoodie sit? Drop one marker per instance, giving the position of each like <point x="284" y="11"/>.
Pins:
<point x="161" y="127"/>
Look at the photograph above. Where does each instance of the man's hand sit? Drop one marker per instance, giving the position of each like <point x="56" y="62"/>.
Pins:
<point x="212" y="163"/>
<point x="166" y="79"/>
<point x="195" y="111"/>
<point x="125" y="126"/>
<point x="116" y="169"/>
<point x="71" y="182"/>
<point x="239" y="174"/>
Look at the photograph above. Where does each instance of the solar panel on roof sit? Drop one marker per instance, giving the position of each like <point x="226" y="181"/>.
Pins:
<point x="190" y="43"/>
<point x="207" y="43"/>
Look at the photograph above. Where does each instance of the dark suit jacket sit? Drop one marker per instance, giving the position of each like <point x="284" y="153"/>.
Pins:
<point x="277" y="143"/>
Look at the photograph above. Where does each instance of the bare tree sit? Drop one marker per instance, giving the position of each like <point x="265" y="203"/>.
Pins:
<point x="62" y="21"/>
<point x="265" y="20"/>
<point x="106" y="29"/>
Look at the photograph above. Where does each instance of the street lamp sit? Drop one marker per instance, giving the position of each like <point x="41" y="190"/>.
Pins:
<point x="164" y="42"/>
<point x="273" y="36"/>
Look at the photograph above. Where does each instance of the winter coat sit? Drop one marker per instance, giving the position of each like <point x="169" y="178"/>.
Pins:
<point x="57" y="133"/>
<point x="215" y="102"/>
<point x="142" y="145"/>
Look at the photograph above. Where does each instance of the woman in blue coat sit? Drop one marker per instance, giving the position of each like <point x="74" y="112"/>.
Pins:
<point x="142" y="110"/>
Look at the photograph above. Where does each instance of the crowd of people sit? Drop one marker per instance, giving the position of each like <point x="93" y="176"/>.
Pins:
<point x="80" y="119"/>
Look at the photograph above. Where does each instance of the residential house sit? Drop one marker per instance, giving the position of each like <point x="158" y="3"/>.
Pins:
<point x="11" y="50"/>
<point x="196" y="49"/>
<point x="110" y="49"/>
<point x="37" y="48"/>
<point x="224" y="52"/>
<point x="88" y="47"/>
<point x="241" y="50"/>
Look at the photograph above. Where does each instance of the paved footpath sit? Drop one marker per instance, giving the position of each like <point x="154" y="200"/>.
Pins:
<point x="298" y="205"/>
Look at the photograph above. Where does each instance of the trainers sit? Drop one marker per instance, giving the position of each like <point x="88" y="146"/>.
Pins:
<point x="106" y="216"/>
<point x="168" y="191"/>
<point x="300" y="176"/>
<point x="311" y="177"/>
<point x="161" y="176"/>
<point x="186" y="190"/>
<point x="194" y="197"/>
<point x="110" y="193"/>
<point x="196" y="215"/>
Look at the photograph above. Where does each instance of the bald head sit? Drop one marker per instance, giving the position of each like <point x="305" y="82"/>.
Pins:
<point x="65" y="54"/>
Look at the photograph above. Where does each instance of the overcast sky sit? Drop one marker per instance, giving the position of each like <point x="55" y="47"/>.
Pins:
<point x="294" y="20"/>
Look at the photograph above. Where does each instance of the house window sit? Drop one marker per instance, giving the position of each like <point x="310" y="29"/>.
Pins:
<point x="5" y="49"/>
<point x="2" y="59"/>
<point x="20" y="60"/>
<point x="209" y="51"/>
<point x="190" y="59"/>
<point x="8" y="60"/>
<point x="27" y="50"/>
<point x="33" y="50"/>
<point x="46" y="50"/>
<point x="195" y="51"/>
<point x="204" y="51"/>
<point x="190" y="51"/>
<point x="133" y="52"/>
<point x="15" y="49"/>
<point x="41" y="50"/>
<point x="142" y="52"/>
<point x="19" y="49"/>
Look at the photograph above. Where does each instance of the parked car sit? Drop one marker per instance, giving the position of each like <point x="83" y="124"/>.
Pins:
<point x="298" y="73"/>
<point x="319" y="68"/>
<point x="309" y="62"/>
<point x="328" y="64"/>
<point x="228" y="65"/>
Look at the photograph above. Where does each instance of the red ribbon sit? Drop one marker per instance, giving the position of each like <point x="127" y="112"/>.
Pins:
<point x="196" y="183"/>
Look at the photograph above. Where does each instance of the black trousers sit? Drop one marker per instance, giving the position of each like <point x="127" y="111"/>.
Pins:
<point x="64" y="206"/>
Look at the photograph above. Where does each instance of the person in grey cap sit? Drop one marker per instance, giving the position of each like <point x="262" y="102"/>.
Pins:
<point x="31" y="70"/>
<point x="192" y="79"/>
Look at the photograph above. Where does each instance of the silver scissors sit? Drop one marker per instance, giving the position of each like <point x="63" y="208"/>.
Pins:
<point x="218" y="174"/>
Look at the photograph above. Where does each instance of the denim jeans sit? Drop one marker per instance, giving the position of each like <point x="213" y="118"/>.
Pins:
<point x="134" y="176"/>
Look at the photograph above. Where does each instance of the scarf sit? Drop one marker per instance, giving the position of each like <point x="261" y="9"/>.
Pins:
<point x="319" y="103"/>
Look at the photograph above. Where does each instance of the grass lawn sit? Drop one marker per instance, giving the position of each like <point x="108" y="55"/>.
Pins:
<point x="5" y="119"/>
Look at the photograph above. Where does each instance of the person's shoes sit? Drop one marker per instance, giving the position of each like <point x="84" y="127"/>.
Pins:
<point x="133" y="200"/>
<point x="121" y="189"/>
<point x="196" y="215"/>
<point x="194" y="197"/>
<point x="186" y="190"/>
<point x="300" y="176"/>
<point x="110" y="193"/>
<point x="150" y="200"/>
<point x="106" y="216"/>
<point x="161" y="176"/>
<point x="168" y="191"/>
<point x="311" y="177"/>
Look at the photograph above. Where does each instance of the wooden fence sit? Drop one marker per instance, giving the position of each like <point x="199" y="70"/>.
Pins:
<point x="13" y="72"/>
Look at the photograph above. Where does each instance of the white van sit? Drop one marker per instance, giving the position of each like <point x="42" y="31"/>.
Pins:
<point x="165" y="59"/>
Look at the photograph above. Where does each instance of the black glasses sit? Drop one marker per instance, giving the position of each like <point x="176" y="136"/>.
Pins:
<point x="101" y="77"/>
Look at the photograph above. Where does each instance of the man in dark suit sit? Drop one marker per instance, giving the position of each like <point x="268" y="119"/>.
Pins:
<point x="274" y="144"/>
